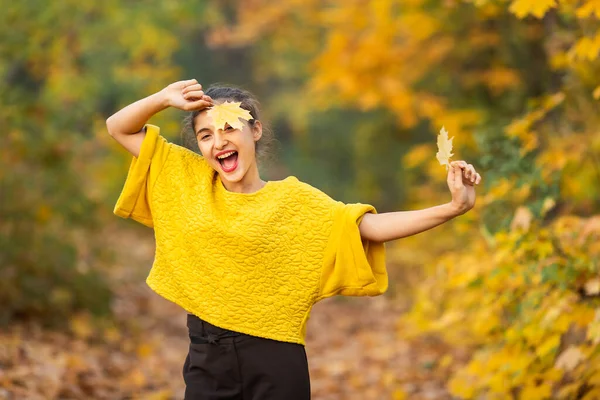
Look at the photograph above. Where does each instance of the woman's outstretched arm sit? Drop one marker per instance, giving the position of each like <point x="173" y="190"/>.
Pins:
<point x="395" y="225"/>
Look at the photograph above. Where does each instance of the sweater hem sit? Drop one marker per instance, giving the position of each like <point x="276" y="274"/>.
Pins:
<point x="200" y="314"/>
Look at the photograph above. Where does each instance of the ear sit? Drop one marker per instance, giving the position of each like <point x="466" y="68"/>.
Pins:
<point x="257" y="131"/>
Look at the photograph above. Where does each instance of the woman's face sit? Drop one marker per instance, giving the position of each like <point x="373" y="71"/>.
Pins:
<point x="213" y="142"/>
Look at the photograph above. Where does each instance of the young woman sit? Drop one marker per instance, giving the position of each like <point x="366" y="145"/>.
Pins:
<point x="248" y="258"/>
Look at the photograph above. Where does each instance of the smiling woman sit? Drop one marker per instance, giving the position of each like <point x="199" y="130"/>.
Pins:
<point x="262" y="254"/>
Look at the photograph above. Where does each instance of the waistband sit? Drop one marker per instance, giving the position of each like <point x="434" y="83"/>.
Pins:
<point x="202" y="332"/>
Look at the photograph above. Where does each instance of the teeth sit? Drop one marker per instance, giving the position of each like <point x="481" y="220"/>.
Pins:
<point x="225" y="155"/>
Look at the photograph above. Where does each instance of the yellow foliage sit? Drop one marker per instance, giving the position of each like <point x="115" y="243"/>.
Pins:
<point x="479" y="292"/>
<point x="589" y="8"/>
<point x="593" y="394"/>
<point x="538" y="392"/>
<point x="537" y="8"/>
<point x="521" y="127"/>
<point x="586" y="48"/>
<point x="417" y="155"/>
<point x="548" y="346"/>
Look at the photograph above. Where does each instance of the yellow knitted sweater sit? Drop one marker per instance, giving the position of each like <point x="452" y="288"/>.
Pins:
<point x="250" y="262"/>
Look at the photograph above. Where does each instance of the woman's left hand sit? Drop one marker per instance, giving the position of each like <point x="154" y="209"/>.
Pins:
<point x="462" y="179"/>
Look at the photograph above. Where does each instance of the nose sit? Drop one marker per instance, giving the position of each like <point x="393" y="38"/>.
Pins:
<point x="220" y="140"/>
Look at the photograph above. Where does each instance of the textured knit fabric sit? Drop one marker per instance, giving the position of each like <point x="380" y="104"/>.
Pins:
<point x="250" y="262"/>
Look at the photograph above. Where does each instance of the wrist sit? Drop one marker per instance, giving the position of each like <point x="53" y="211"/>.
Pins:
<point x="162" y="99"/>
<point x="454" y="210"/>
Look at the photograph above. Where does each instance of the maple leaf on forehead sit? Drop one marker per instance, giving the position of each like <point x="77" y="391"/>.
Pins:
<point x="230" y="113"/>
<point x="444" y="148"/>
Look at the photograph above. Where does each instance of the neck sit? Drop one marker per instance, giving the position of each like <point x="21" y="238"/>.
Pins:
<point x="250" y="183"/>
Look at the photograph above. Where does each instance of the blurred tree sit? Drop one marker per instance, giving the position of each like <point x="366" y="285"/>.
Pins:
<point x="64" y="67"/>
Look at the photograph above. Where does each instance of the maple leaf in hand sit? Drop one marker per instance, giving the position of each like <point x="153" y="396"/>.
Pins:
<point x="230" y="113"/>
<point x="444" y="148"/>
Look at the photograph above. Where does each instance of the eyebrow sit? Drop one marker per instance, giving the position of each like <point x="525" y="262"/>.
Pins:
<point x="201" y="130"/>
<point x="208" y="129"/>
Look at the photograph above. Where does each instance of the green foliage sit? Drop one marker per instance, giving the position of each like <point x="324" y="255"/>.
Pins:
<point x="64" y="68"/>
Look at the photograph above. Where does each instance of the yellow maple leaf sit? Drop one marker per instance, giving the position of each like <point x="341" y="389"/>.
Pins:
<point x="230" y="113"/>
<point x="444" y="148"/>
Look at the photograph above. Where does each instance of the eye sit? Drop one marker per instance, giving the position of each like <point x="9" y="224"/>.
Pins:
<point x="228" y="128"/>
<point x="205" y="136"/>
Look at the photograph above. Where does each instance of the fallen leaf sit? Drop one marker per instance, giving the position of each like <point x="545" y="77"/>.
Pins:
<point x="592" y="287"/>
<point x="522" y="219"/>
<point x="569" y="358"/>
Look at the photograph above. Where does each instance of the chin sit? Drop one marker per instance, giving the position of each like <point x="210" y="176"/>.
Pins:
<point x="237" y="176"/>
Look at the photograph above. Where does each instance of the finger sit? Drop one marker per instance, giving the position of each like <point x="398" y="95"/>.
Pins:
<point x="470" y="172"/>
<point x="197" y="105"/>
<point x="450" y="177"/>
<point x="189" y="88"/>
<point x="455" y="172"/>
<point x="460" y="164"/>
<point x="458" y="180"/>
<point x="183" y="84"/>
<point x="195" y="95"/>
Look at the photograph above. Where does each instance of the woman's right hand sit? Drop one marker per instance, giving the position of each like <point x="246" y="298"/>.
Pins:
<point x="187" y="96"/>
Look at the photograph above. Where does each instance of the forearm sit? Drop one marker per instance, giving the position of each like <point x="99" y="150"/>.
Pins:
<point x="132" y="118"/>
<point x="395" y="225"/>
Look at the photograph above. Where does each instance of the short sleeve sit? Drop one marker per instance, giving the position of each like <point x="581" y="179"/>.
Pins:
<point x="135" y="199"/>
<point x="352" y="266"/>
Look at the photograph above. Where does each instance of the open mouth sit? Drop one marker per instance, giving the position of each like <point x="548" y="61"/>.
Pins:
<point x="228" y="164"/>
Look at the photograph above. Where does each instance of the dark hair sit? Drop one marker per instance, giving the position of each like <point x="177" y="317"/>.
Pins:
<point x="248" y="101"/>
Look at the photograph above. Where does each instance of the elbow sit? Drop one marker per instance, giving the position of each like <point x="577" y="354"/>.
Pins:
<point x="368" y="229"/>
<point x="112" y="126"/>
<point x="109" y="126"/>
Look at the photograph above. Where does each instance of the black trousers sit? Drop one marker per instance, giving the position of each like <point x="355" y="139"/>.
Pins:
<point x="222" y="364"/>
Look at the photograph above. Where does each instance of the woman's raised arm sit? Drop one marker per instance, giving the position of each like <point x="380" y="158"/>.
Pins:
<point x="125" y="126"/>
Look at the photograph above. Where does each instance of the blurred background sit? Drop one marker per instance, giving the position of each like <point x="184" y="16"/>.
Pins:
<point x="500" y="303"/>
